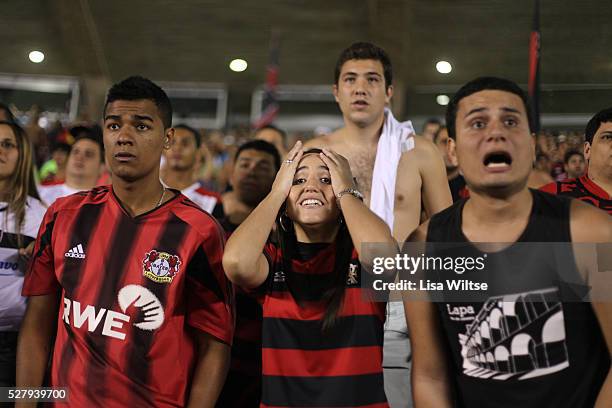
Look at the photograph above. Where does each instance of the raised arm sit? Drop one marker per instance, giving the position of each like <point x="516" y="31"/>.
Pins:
<point x="243" y="260"/>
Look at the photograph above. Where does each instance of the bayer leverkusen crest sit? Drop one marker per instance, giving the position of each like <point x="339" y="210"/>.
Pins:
<point x="160" y="267"/>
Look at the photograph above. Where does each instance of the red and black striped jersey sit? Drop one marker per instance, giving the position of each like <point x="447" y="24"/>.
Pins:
<point x="305" y="366"/>
<point x="130" y="287"/>
<point x="584" y="189"/>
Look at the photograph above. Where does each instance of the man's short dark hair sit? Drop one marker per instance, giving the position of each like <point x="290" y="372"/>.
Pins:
<point x="135" y="88"/>
<point x="194" y="132"/>
<point x="593" y="126"/>
<point x="261" y="146"/>
<point x="274" y="128"/>
<point x="570" y="153"/>
<point x="93" y="133"/>
<point x="484" y="84"/>
<point x="364" y="51"/>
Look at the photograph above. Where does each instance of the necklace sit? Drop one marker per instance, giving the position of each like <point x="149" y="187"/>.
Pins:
<point x="161" y="198"/>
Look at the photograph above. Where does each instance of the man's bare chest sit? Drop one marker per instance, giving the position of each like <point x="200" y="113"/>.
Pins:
<point x="362" y="167"/>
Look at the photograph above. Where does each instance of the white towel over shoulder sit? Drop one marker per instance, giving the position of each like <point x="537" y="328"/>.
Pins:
<point x="395" y="139"/>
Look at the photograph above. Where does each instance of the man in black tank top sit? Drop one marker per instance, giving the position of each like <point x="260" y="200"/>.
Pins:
<point x="523" y="344"/>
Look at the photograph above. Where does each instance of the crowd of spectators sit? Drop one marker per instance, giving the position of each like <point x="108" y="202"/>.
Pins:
<point x="559" y="152"/>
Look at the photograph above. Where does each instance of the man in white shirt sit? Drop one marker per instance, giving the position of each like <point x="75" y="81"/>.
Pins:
<point x="180" y="170"/>
<point x="83" y="169"/>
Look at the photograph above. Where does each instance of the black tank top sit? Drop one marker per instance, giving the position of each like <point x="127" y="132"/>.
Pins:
<point x="524" y="344"/>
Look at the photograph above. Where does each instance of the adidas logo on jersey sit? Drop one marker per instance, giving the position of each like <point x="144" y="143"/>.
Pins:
<point x="76" y="252"/>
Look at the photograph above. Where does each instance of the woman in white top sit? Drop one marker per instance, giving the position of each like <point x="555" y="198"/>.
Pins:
<point x="21" y="213"/>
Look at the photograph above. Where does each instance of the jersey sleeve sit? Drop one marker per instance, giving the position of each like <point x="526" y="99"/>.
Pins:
<point x="210" y="295"/>
<point x="40" y="278"/>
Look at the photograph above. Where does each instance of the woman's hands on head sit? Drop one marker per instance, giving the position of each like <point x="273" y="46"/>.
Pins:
<point x="284" y="178"/>
<point x="339" y="170"/>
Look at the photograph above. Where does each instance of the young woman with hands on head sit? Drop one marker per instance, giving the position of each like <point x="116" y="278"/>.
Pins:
<point x="322" y="339"/>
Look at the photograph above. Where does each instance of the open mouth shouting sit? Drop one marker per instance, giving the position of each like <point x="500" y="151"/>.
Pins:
<point x="497" y="161"/>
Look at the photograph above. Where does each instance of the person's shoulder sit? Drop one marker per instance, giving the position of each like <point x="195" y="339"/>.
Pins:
<point x="34" y="204"/>
<point x="423" y="148"/>
<point x="422" y="156"/>
<point x="589" y="223"/>
<point x="197" y="218"/>
<point x="449" y="213"/>
<point x="96" y="195"/>
<point x="49" y="187"/>
<point x="322" y="141"/>
<point x="35" y="212"/>
<point x="550" y="200"/>
<point x="207" y="193"/>
<point x="551" y="188"/>
<point x="49" y="193"/>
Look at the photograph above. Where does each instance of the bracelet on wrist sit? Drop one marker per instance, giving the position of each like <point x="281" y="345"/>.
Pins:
<point x="351" y="191"/>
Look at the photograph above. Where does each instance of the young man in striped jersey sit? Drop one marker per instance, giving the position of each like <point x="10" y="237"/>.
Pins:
<point x="142" y="310"/>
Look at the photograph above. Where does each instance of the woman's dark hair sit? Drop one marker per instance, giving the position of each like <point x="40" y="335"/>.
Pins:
<point x="333" y="294"/>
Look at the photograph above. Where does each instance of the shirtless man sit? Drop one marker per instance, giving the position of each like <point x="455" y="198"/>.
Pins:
<point x="362" y="88"/>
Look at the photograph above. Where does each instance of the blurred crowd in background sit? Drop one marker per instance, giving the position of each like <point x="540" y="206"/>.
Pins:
<point x="559" y="152"/>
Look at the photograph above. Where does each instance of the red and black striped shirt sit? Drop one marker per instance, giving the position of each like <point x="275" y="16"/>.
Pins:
<point x="304" y="366"/>
<point x="583" y="189"/>
<point x="130" y="287"/>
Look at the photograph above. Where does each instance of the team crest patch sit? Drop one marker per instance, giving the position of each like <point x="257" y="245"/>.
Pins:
<point x="160" y="267"/>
